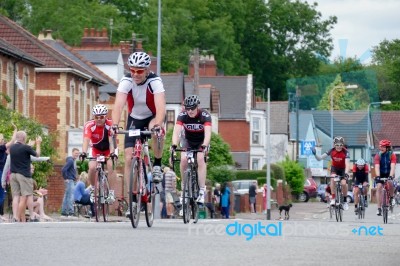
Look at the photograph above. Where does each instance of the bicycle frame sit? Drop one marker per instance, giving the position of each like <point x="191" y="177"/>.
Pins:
<point x="338" y="198"/>
<point x="361" y="201"/>
<point x="386" y="204"/>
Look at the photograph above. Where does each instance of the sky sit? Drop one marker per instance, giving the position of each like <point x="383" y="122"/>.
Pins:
<point x="361" y="25"/>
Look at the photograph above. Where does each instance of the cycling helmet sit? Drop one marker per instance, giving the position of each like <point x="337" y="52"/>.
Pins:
<point x="191" y="101"/>
<point x="338" y="140"/>
<point x="139" y="59"/>
<point x="385" y="142"/>
<point x="360" y="162"/>
<point x="99" y="109"/>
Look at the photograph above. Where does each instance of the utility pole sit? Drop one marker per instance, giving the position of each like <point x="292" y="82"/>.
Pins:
<point x="196" y="60"/>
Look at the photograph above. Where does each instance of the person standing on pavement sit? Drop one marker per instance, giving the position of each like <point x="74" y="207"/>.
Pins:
<point x="170" y="188"/>
<point x="69" y="173"/>
<point x="252" y="197"/>
<point x="225" y="200"/>
<point x="21" y="178"/>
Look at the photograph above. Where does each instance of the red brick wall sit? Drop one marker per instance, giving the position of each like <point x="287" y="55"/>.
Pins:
<point x="236" y="134"/>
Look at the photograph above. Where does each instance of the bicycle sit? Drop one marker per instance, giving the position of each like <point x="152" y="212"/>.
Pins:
<point x="191" y="188"/>
<point x="386" y="200"/>
<point x="122" y="207"/>
<point x="338" y="199"/>
<point x="142" y="191"/>
<point x="103" y="196"/>
<point x="361" y="202"/>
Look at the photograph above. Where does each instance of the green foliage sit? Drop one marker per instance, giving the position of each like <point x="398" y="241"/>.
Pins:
<point x="261" y="175"/>
<point x="221" y="174"/>
<point x="82" y="166"/>
<point x="294" y="175"/>
<point x="33" y="129"/>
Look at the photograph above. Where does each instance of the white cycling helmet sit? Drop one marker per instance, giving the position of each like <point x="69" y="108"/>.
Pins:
<point x="360" y="162"/>
<point x="139" y="59"/>
<point x="99" y="109"/>
<point x="338" y="140"/>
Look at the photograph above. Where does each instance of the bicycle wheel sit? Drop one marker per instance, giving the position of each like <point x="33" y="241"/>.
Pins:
<point x="186" y="198"/>
<point x="104" y="202"/>
<point x="97" y="196"/>
<point x="149" y="206"/>
<point x="384" y="206"/>
<point x="135" y="198"/>
<point x="360" y="208"/>
<point x="338" y="204"/>
<point x="195" y="193"/>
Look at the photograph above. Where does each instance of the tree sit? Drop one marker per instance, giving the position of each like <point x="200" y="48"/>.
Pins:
<point x="294" y="175"/>
<point x="340" y="99"/>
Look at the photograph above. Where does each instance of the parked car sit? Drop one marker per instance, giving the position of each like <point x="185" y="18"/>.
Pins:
<point x="242" y="186"/>
<point x="309" y="190"/>
<point x="321" y="194"/>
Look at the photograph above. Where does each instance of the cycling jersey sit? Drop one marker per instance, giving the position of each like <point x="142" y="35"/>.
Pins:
<point x="98" y="136"/>
<point x="384" y="160"/>
<point x="194" y="127"/>
<point x="338" y="158"/>
<point x="360" y="175"/>
<point x="141" y="97"/>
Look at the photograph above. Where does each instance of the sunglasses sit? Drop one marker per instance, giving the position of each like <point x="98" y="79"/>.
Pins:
<point x="139" y="71"/>
<point x="190" y="108"/>
<point x="338" y="145"/>
<point x="99" y="117"/>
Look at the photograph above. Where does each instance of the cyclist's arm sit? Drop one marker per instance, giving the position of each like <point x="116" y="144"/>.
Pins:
<point x="392" y="164"/>
<point x="175" y="135"/>
<point x="111" y="141"/>
<point x="347" y="163"/>
<point x="207" y="135"/>
<point x="85" y="145"/>
<point x="159" y="102"/>
<point x="319" y="158"/>
<point x="14" y="137"/>
<point x="120" y="100"/>
<point x="377" y="165"/>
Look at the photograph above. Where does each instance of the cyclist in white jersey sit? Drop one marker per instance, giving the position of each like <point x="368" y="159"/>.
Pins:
<point x="143" y="92"/>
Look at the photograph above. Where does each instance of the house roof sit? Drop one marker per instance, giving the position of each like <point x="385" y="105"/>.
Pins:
<point x="21" y="38"/>
<point x="352" y="125"/>
<point x="174" y="87"/>
<point x="386" y="125"/>
<point x="279" y="116"/>
<point x="9" y="49"/>
<point x="100" y="56"/>
<point x="304" y="122"/>
<point x="233" y="95"/>
<point x="64" y="49"/>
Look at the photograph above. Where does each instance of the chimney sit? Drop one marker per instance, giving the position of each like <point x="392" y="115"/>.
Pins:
<point x="93" y="38"/>
<point x="41" y="36"/>
<point x="139" y="47"/>
<point x="85" y="32"/>
<point x="92" y="32"/>
<point x="104" y="33"/>
<point x="48" y="35"/>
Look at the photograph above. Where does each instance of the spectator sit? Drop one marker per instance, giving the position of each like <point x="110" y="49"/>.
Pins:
<point x="21" y="178"/>
<point x="69" y="173"/>
<point x="252" y="197"/>
<point x="265" y="191"/>
<point x="3" y="156"/>
<point x="225" y="200"/>
<point x="82" y="193"/>
<point x="170" y="189"/>
<point x="217" y="197"/>
<point x="38" y="200"/>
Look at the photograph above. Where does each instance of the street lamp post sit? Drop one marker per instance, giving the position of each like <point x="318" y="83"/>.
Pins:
<point x="331" y="96"/>
<point x="370" y="139"/>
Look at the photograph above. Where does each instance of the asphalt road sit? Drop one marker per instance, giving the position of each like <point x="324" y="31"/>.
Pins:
<point x="310" y="237"/>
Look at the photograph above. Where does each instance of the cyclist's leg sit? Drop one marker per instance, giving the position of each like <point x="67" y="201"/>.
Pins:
<point x="92" y="173"/>
<point x="183" y="166"/>
<point x="356" y="191"/>
<point x="391" y="188"/>
<point x="158" y="150"/>
<point x="379" y="187"/>
<point x="333" y="189"/>
<point x="202" y="170"/>
<point x="365" y="192"/>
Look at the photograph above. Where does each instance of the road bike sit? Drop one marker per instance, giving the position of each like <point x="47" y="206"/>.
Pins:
<point x="191" y="188"/>
<point x="123" y="206"/>
<point x="386" y="200"/>
<point x="361" y="201"/>
<point x="103" y="196"/>
<point x="142" y="191"/>
<point x="339" y="199"/>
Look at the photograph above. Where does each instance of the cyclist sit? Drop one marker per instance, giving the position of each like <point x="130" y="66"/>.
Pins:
<point x="385" y="164"/>
<point x="97" y="134"/>
<point x="144" y="93"/>
<point x="360" y="176"/>
<point x="195" y="125"/>
<point x="340" y="166"/>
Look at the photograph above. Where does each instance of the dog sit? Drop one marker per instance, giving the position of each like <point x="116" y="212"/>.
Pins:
<point x="286" y="208"/>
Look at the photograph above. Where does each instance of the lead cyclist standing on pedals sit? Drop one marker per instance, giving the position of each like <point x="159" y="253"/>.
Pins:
<point x="340" y="166"/>
<point x="144" y="93"/>
<point x="360" y="176"/>
<point x="196" y="126"/>
<point x="97" y="133"/>
<point x="385" y="165"/>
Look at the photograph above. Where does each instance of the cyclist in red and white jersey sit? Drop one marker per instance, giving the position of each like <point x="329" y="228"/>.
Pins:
<point x="340" y="165"/>
<point x="97" y="134"/>
<point x="196" y="125"/>
<point x="360" y="176"/>
<point x="144" y="93"/>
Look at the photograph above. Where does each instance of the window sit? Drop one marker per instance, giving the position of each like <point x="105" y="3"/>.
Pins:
<point x="255" y="164"/>
<point x="255" y="135"/>
<point x="72" y="104"/>
<point x="25" y="84"/>
<point x="82" y="102"/>
<point x="170" y="119"/>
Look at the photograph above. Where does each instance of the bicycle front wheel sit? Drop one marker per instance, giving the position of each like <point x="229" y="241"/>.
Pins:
<point x="135" y="198"/>
<point x="186" y="197"/>
<point x="106" y="192"/>
<point x="195" y="207"/>
<point x="150" y="205"/>
<point x="97" y="197"/>
<point x="385" y="206"/>
<point x="361" y="207"/>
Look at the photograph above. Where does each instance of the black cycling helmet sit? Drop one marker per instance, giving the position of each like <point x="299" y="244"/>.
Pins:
<point x="191" y="101"/>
